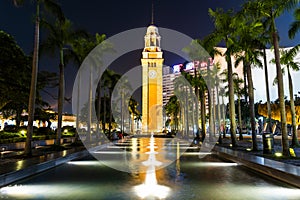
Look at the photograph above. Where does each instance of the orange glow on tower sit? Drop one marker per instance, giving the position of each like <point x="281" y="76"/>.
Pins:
<point x="152" y="62"/>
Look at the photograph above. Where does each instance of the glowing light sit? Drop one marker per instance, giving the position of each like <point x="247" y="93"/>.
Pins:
<point x="23" y="132"/>
<point x="292" y="152"/>
<point x="150" y="188"/>
<point x="248" y="149"/>
<point x="213" y="164"/>
<point x="192" y="147"/>
<point x="158" y="191"/>
<point x="189" y="66"/>
<point x="109" y="152"/>
<point x="197" y="153"/>
<point x="278" y="154"/>
<point x="66" y="130"/>
<point x="176" y="68"/>
<point x="84" y="163"/>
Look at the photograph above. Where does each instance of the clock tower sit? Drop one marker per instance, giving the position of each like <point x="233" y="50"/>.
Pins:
<point x="152" y="62"/>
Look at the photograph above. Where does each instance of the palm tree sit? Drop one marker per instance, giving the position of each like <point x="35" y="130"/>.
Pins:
<point x="268" y="11"/>
<point x="247" y="33"/>
<point x="222" y="93"/>
<point x="197" y="54"/>
<point x="237" y="82"/>
<point x="224" y="32"/>
<point x="215" y="74"/>
<point x="137" y="119"/>
<point x="60" y="37"/>
<point x="52" y="7"/>
<point x="238" y="91"/>
<point x="134" y="112"/>
<point x="110" y="79"/>
<point x="295" y="26"/>
<point x="81" y="47"/>
<point x="211" y="79"/>
<point x="263" y="40"/>
<point x="287" y="59"/>
<point x="172" y="109"/>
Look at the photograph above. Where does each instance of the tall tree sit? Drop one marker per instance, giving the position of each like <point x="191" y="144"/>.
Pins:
<point x="238" y="90"/>
<point x="60" y="36"/>
<point x="81" y="47"/>
<point x="172" y="109"/>
<point x="222" y="93"/>
<point x="224" y="32"/>
<point x="52" y="7"/>
<point x="14" y="76"/>
<point x="268" y="11"/>
<point x="294" y="29"/>
<point x="134" y="112"/>
<point x="246" y="34"/>
<point x="110" y="79"/>
<point x="295" y="25"/>
<point x="287" y="60"/>
<point x="198" y="55"/>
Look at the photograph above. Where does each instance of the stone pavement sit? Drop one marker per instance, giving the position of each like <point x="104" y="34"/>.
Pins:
<point x="284" y="169"/>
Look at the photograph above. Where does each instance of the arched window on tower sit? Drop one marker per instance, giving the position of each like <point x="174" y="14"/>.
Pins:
<point x="152" y="41"/>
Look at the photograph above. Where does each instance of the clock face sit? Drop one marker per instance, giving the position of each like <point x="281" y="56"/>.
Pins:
<point x="152" y="74"/>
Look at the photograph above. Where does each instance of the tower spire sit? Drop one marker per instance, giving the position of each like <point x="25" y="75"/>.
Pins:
<point x="152" y="13"/>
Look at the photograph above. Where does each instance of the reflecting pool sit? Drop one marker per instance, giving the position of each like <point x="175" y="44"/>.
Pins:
<point x="192" y="175"/>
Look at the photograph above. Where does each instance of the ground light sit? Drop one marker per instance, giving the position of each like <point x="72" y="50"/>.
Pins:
<point x="278" y="154"/>
<point x="150" y="188"/>
<point x="292" y="152"/>
<point x="23" y="132"/>
<point x="212" y="164"/>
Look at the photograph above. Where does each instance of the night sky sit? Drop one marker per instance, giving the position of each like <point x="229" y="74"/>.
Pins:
<point x="112" y="17"/>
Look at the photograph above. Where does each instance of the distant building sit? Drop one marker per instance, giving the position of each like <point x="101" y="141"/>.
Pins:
<point x="174" y="72"/>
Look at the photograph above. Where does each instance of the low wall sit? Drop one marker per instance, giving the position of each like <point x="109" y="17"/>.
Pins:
<point x="17" y="175"/>
<point x="21" y="145"/>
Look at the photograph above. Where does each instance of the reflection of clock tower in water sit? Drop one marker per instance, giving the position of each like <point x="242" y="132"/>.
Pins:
<point x="152" y="62"/>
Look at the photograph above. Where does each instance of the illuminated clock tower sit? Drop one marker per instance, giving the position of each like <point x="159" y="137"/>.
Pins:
<point x="152" y="62"/>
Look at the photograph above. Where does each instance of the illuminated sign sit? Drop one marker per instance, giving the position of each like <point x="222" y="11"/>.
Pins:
<point x="189" y="66"/>
<point x="176" y="68"/>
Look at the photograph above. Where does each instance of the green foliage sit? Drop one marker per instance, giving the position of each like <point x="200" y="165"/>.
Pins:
<point x="8" y="137"/>
<point x="14" y="74"/>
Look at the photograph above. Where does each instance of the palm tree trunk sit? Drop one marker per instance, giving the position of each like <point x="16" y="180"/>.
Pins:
<point x="223" y="117"/>
<point x="104" y="111"/>
<point x="197" y="100"/>
<point x="269" y="125"/>
<point x="32" y="95"/>
<point x="240" y="118"/>
<point x="186" y="112"/>
<point x="203" y="116"/>
<point x="219" y="113"/>
<point x="245" y="85"/>
<point x="295" y="142"/>
<point x="214" y="112"/>
<point x="122" y="116"/>
<point x="90" y="100"/>
<point x="231" y="102"/>
<point x="60" y="96"/>
<point x="210" y="111"/>
<point x="251" y="105"/>
<point x="110" y="115"/>
<point x="210" y="108"/>
<point x="78" y="107"/>
<point x="98" y="109"/>
<point x="285" y="141"/>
